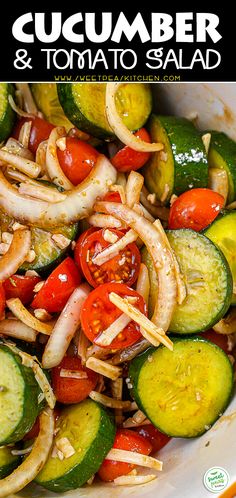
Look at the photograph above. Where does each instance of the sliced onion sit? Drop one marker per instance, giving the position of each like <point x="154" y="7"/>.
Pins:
<point x="16" y="175"/>
<point x="65" y="328"/>
<point x="16" y="254"/>
<point x="119" y="128"/>
<point x="130" y="352"/>
<point x="32" y="465"/>
<point x="40" y="156"/>
<point x="130" y="480"/>
<point x="143" y="283"/>
<point x="25" y="132"/>
<point x="15" y="147"/>
<point x="82" y="344"/>
<point x="53" y="167"/>
<point x="18" y="309"/>
<point x="41" y="192"/>
<point x="161" y="212"/>
<point x="161" y="256"/>
<point x="104" y="221"/>
<point x="114" y="249"/>
<point x="227" y="325"/>
<point x="24" y="165"/>
<point x="218" y="181"/>
<point x="29" y="103"/>
<point x="77" y="205"/>
<point x="18" y="110"/>
<point x="133" y="188"/>
<point x="134" y="458"/>
<point x="103" y="368"/>
<point x="110" y="402"/>
<point x="181" y="288"/>
<point x="15" y="328"/>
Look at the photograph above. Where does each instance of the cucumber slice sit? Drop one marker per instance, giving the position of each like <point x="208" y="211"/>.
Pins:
<point x="19" y="393"/>
<point x="8" y="462"/>
<point x="48" y="254"/>
<point x="84" y="105"/>
<point x="185" y="391"/>
<point x="91" y="431"/>
<point x="46" y="99"/>
<point x="7" y="115"/>
<point x="223" y="233"/>
<point x="182" y="164"/>
<point x="208" y="281"/>
<point x="222" y="154"/>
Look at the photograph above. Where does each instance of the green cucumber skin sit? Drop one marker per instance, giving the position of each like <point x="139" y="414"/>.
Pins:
<point x="190" y="166"/>
<point x="45" y="270"/>
<point x="135" y="369"/>
<point x="72" y="112"/>
<point x="6" y="470"/>
<point x="228" y="298"/>
<point x="31" y="407"/>
<point x="77" y="477"/>
<point x="226" y="147"/>
<point x="7" y="120"/>
<point x="181" y="132"/>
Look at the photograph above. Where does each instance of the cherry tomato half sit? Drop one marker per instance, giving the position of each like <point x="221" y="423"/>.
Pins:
<point x="123" y="268"/>
<point x="58" y="287"/>
<point x="157" y="439"/>
<point x="2" y="300"/>
<point x="72" y="390"/>
<point x="40" y="130"/>
<point x="79" y="243"/>
<point x="21" y="286"/>
<point x="218" y="339"/>
<point x="98" y="313"/>
<point x="195" y="209"/>
<point x="77" y="160"/>
<point x="125" y="440"/>
<point x="128" y="159"/>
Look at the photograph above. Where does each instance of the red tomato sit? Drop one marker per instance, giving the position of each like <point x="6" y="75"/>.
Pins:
<point x="112" y="197"/>
<point x="79" y="243"/>
<point x="21" y="286"/>
<point x="128" y="159"/>
<point x="69" y="390"/>
<point x="123" y="268"/>
<point x="218" y="339"/>
<point x="40" y="130"/>
<point x="77" y="160"/>
<point x="58" y="287"/>
<point x="98" y="313"/>
<point x="125" y="440"/>
<point x="157" y="439"/>
<point x="2" y="300"/>
<point x="195" y="209"/>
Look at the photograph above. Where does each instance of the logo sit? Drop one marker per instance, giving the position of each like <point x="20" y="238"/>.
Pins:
<point x="216" y="479"/>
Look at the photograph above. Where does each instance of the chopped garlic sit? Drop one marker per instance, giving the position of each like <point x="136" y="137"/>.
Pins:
<point x="65" y="447"/>
<point x="42" y="315"/>
<point x="60" y="240"/>
<point x="61" y="143"/>
<point x="7" y="237"/>
<point x="39" y="286"/>
<point x="110" y="236"/>
<point x="30" y="256"/>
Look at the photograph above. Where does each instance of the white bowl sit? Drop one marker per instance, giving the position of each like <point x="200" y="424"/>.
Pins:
<point x="213" y="106"/>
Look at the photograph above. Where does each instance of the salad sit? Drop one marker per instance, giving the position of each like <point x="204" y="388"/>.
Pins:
<point x="117" y="283"/>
